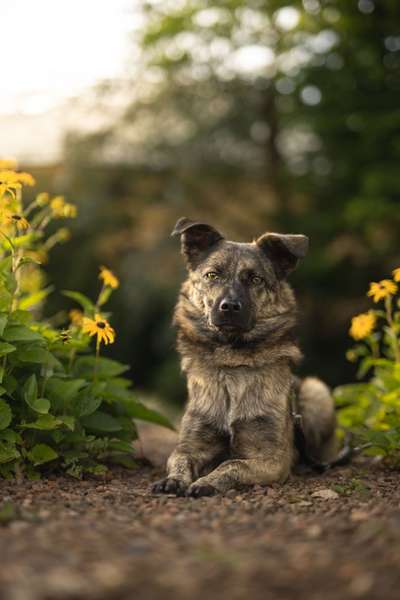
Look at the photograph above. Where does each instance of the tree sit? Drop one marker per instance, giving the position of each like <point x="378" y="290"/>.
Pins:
<point x="269" y="115"/>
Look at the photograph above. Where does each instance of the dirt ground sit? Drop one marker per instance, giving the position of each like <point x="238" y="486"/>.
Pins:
<point x="318" y="537"/>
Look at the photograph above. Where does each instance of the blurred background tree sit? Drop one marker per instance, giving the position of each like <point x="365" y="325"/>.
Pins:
<point x="254" y="115"/>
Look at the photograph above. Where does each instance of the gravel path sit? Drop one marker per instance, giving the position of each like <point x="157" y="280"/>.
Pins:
<point x="317" y="537"/>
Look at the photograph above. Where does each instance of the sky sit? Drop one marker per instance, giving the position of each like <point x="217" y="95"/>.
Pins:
<point x="54" y="49"/>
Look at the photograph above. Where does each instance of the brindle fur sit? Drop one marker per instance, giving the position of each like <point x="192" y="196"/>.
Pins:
<point x="238" y="428"/>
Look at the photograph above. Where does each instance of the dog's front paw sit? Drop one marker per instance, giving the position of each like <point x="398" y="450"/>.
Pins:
<point x="169" y="485"/>
<point x="198" y="490"/>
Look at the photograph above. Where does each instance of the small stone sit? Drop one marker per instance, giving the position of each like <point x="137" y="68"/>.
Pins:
<point x="359" y="515"/>
<point x="325" y="494"/>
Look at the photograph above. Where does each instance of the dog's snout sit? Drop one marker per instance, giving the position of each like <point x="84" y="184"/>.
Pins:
<point x="228" y="306"/>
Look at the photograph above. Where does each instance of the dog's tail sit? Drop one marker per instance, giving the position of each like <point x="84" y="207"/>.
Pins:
<point x="314" y="421"/>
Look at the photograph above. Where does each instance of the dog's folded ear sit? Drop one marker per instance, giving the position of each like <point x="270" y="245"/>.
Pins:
<point x="196" y="239"/>
<point x="284" y="250"/>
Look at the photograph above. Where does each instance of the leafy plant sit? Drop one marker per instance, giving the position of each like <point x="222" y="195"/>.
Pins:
<point x="61" y="405"/>
<point x="371" y="409"/>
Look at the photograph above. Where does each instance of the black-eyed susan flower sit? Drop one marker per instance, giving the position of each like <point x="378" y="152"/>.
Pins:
<point x="382" y="289"/>
<point x="108" y="278"/>
<point x="99" y="327"/>
<point x="76" y="317"/>
<point x="396" y="274"/>
<point x="9" y="182"/>
<point x="362" y="325"/>
<point x="10" y="218"/>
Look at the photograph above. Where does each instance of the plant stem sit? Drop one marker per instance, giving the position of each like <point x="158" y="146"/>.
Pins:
<point x="96" y="364"/>
<point x="393" y="337"/>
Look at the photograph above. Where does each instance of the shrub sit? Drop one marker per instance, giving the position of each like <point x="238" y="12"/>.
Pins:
<point x="62" y="405"/>
<point x="371" y="409"/>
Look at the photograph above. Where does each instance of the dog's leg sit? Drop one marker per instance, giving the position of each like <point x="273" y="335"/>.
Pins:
<point x="264" y="449"/>
<point x="200" y="442"/>
<point x="318" y="419"/>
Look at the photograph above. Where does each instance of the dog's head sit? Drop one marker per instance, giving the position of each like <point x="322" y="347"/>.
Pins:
<point x="237" y="286"/>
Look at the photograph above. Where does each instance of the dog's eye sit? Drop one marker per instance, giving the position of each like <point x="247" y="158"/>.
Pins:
<point x="256" y="279"/>
<point x="212" y="276"/>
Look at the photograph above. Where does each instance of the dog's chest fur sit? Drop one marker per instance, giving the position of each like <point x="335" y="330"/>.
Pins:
<point x="229" y="395"/>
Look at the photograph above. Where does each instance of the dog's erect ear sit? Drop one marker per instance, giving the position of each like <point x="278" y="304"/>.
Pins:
<point x="284" y="250"/>
<point x="196" y="239"/>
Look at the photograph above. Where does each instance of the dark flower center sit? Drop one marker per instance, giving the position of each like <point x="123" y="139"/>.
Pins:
<point x="101" y="324"/>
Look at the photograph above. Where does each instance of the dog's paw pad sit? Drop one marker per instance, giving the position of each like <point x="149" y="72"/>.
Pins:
<point x="200" y="490"/>
<point x="169" y="486"/>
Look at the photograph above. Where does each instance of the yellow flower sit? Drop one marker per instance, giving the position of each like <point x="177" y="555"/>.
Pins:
<point x="76" y="317"/>
<point x="362" y="325"/>
<point x="63" y="234"/>
<point x="60" y="208"/>
<point x="26" y="179"/>
<point x="100" y="327"/>
<point x="9" y="163"/>
<point x="10" y="181"/>
<point x="396" y="274"/>
<point x="42" y="199"/>
<point x="10" y="218"/>
<point x="351" y="356"/>
<point x="108" y="278"/>
<point x="57" y="206"/>
<point x="382" y="289"/>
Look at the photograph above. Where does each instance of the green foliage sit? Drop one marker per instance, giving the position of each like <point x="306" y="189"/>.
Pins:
<point x="371" y="410"/>
<point x="62" y="407"/>
<point x="245" y="148"/>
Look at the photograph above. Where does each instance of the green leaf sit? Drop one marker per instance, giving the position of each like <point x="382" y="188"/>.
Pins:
<point x="41" y="406"/>
<point x="5" y="299"/>
<point x="8" y="452"/>
<point x="106" y="368"/>
<point x="101" y="421"/>
<point x="37" y="354"/>
<point x="20" y="317"/>
<point x="33" y="299"/>
<point x="62" y="392"/>
<point x="3" y="322"/>
<point x="43" y="423"/>
<point x="42" y="453"/>
<point x="68" y="421"/>
<point x="6" y="348"/>
<point x="30" y="389"/>
<point x="5" y="414"/>
<point x="10" y="383"/>
<point x="86" y="404"/>
<point x="137" y="410"/>
<point x="81" y="299"/>
<point x="6" y="264"/>
<point x="9" y="435"/>
<point x="27" y="260"/>
<point x="21" y="333"/>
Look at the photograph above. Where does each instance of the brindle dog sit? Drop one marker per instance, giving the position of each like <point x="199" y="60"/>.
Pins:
<point x="236" y="316"/>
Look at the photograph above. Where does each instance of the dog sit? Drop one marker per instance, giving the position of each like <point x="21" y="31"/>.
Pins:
<point x="236" y="318"/>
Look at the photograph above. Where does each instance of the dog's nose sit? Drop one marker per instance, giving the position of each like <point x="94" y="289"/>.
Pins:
<point x="229" y="306"/>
